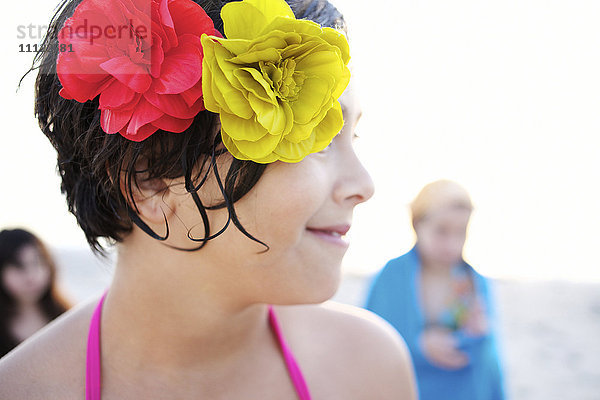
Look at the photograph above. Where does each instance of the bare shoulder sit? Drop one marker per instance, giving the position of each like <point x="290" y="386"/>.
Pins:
<point x="50" y="364"/>
<point x="348" y="350"/>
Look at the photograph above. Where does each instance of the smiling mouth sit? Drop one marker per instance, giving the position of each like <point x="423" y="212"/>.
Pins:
<point x="327" y="232"/>
<point x="337" y="236"/>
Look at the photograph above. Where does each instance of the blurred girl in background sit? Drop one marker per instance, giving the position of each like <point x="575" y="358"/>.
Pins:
<point x="440" y="304"/>
<point x="28" y="297"/>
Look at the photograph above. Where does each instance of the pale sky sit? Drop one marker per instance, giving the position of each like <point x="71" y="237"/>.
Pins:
<point x="503" y="97"/>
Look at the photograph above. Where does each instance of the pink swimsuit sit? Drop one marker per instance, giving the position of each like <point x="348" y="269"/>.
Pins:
<point x="92" y="373"/>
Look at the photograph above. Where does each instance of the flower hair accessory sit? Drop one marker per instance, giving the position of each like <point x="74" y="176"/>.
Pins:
<point x="275" y="81"/>
<point x="144" y="59"/>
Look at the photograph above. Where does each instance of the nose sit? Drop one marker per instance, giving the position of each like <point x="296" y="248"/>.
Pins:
<point x="354" y="185"/>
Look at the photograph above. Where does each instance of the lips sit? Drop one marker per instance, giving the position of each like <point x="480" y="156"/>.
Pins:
<point x="331" y="234"/>
<point x="336" y="230"/>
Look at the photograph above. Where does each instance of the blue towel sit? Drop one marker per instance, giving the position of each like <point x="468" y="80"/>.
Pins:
<point x="394" y="295"/>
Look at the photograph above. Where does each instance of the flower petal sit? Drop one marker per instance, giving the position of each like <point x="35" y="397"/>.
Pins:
<point x="116" y="95"/>
<point x="338" y="39"/>
<point x="266" y="55"/>
<point x="208" y="63"/>
<point x="285" y="24"/>
<point x="273" y="9"/>
<point x="143" y="114"/>
<point x="271" y="117"/>
<point x="78" y="88"/>
<point x="300" y="132"/>
<point x="242" y="129"/>
<point x="192" y="94"/>
<point x="242" y="20"/>
<point x="233" y="149"/>
<point x="234" y="46"/>
<point x="294" y="152"/>
<point x="132" y="75"/>
<point x="190" y="18"/>
<point x="157" y="56"/>
<point x="143" y="133"/>
<point x="173" y="104"/>
<point x="255" y="150"/>
<point x="321" y="62"/>
<point x="328" y="128"/>
<point x="254" y="82"/>
<point x="223" y="86"/>
<point x="311" y="98"/>
<point x="112" y="121"/>
<point x="181" y="68"/>
<point x="172" y="124"/>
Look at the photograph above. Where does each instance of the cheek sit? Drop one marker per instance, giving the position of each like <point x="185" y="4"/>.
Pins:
<point x="283" y="204"/>
<point x="276" y="218"/>
<point x="426" y="239"/>
<point x="277" y="213"/>
<point x="448" y="248"/>
<point x="13" y="282"/>
<point x="282" y="224"/>
<point x="42" y="277"/>
<point x="433" y="245"/>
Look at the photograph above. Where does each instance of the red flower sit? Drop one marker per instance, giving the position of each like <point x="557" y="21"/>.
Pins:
<point x="144" y="59"/>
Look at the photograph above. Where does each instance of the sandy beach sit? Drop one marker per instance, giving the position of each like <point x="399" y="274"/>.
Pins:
<point x="550" y="331"/>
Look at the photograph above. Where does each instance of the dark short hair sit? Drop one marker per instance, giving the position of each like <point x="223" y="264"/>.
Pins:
<point x="88" y="158"/>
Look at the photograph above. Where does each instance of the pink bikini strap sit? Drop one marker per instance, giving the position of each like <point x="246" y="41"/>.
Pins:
<point x="292" y="366"/>
<point x="92" y="363"/>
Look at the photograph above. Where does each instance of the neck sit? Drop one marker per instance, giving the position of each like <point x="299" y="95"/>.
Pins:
<point x="27" y="308"/>
<point x="165" y="314"/>
<point x="435" y="267"/>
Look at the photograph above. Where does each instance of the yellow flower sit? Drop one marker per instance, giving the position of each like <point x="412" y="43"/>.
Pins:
<point x="275" y="81"/>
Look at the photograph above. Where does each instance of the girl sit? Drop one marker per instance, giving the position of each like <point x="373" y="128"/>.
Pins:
<point x="440" y="304"/>
<point x="207" y="142"/>
<point x="28" y="296"/>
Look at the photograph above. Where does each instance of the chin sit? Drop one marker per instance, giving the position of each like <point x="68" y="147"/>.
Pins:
<point x="318" y="286"/>
<point x="324" y="288"/>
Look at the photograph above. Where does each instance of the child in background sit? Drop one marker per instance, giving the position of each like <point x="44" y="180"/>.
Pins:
<point x="440" y="304"/>
<point x="28" y="295"/>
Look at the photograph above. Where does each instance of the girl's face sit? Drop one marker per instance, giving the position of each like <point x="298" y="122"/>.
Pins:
<point x="301" y="211"/>
<point x="26" y="282"/>
<point x="441" y="235"/>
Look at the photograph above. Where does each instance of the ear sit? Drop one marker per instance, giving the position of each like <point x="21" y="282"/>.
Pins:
<point x="147" y="196"/>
